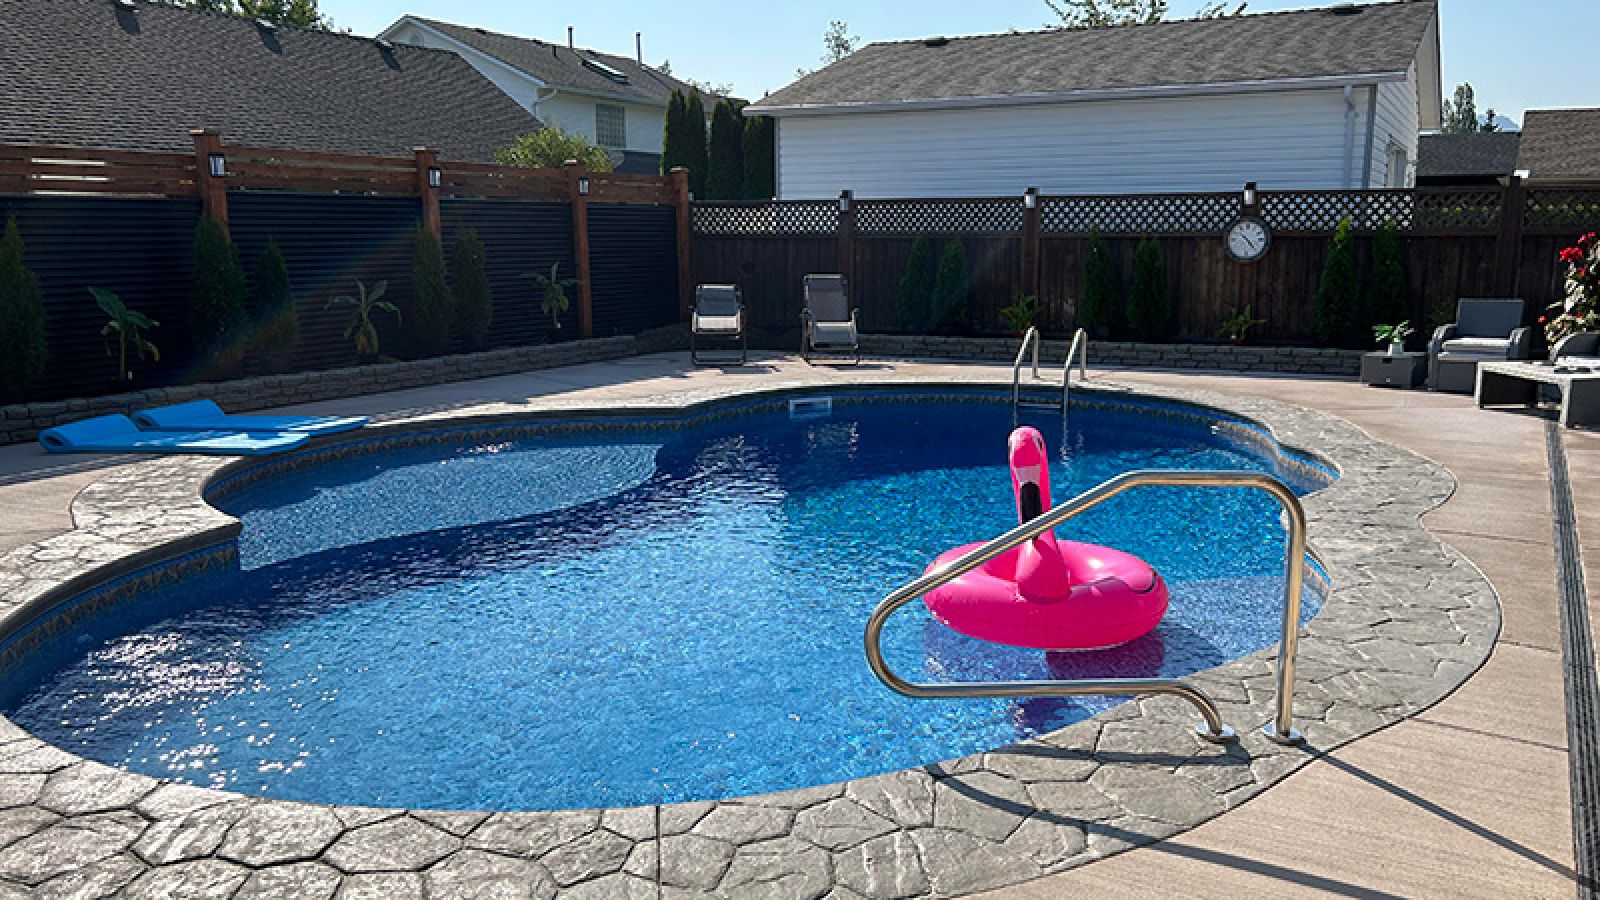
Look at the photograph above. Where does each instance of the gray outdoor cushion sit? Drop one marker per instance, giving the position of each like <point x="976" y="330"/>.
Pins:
<point x="1486" y="317"/>
<point x="716" y="324"/>
<point x="826" y="298"/>
<point x="833" y="334"/>
<point x="1475" y="348"/>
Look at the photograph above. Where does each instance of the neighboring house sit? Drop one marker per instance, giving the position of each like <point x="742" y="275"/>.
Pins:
<point x="1313" y="99"/>
<point x="1478" y="158"/>
<point x="140" y="75"/>
<point x="617" y="102"/>
<point x="1560" y="145"/>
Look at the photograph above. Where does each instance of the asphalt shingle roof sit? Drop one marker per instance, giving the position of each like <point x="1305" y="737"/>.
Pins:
<point x="1561" y="144"/>
<point x="94" y="73"/>
<point x="556" y="65"/>
<point x="1376" y="38"/>
<point x="1477" y="154"/>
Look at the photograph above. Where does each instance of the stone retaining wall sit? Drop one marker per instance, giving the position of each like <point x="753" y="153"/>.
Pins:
<point x="1308" y="360"/>
<point x="23" y="422"/>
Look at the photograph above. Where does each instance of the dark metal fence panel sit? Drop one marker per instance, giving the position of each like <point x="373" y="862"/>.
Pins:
<point x="330" y="242"/>
<point x="140" y="248"/>
<point x="519" y="239"/>
<point x="633" y="267"/>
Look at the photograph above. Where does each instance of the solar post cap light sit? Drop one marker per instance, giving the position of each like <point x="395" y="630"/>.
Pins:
<point x="219" y="165"/>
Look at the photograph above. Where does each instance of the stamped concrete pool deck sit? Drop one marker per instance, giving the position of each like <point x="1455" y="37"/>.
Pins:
<point x="1467" y="798"/>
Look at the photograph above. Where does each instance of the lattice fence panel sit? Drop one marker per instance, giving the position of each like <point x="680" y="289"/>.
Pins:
<point x="1463" y="210"/>
<point x="1138" y="213"/>
<point x="1576" y="209"/>
<point x="974" y="216"/>
<point x="1322" y="210"/>
<point x="792" y="217"/>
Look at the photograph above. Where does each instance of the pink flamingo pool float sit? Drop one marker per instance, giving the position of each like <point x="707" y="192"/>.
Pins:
<point x="1048" y="594"/>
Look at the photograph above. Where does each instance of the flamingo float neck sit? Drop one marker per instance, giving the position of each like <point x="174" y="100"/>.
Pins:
<point x="1042" y="573"/>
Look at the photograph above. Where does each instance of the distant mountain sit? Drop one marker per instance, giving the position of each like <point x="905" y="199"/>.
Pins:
<point x="1502" y="123"/>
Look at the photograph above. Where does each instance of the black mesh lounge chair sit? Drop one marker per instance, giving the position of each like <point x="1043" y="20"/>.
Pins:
<point x="1485" y="329"/>
<point x="718" y="313"/>
<point x="828" y="321"/>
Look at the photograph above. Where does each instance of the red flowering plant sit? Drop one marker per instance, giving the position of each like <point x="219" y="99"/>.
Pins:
<point x="1580" y="311"/>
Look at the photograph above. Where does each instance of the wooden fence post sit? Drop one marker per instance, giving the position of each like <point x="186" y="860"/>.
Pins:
<point x="1508" y="241"/>
<point x="847" y="238"/>
<point x="429" y="177"/>
<point x="1030" y="242"/>
<point x="680" y="201"/>
<point x="578" y="196"/>
<point x="210" y="170"/>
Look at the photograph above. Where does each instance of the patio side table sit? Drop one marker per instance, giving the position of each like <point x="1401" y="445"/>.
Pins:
<point x="1402" y="370"/>
<point x="1517" y="383"/>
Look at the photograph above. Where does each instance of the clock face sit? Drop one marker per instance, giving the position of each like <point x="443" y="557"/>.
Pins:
<point x="1247" y="239"/>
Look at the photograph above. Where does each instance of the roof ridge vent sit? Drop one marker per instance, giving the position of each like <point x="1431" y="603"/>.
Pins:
<point x="937" y="40"/>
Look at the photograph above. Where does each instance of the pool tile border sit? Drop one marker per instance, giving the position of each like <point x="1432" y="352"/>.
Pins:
<point x="1409" y="619"/>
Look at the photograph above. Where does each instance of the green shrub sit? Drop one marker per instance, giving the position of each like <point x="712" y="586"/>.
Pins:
<point x="674" y="141"/>
<point x="694" y="142"/>
<point x="760" y="165"/>
<point x="1150" y="303"/>
<point x="469" y="285"/>
<point x="1102" y="289"/>
<point x="1339" y="295"/>
<point x="429" y="316"/>
<point x="22" y="346"/>
<point x="950" y="288"/>
<point x="725" y="175"/>
<point x="1387" y="298"/>
<point x="914" y="299"/>
<point x="276" y="328"/>
<point x="217" y="304"/>
<point x="550" y="148"/>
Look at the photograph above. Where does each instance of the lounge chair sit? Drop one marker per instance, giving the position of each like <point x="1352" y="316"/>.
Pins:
<point x="202" y="415"/>
<point x="828" y="321"/>
<point x="1579" y="349"/>
<point x="1485" y="329"/>
<point x="718" y="313"/>
<point x="118" y="434"/>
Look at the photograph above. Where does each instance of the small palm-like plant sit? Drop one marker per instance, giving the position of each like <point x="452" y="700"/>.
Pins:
<point x="128" y="326"/>
<point x="361" y="326"/>
<point x="553" y="289"/>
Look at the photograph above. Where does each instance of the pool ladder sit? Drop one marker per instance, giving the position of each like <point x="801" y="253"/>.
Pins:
<point x="1031" y="340"/>
<point x="1212" y="728"/>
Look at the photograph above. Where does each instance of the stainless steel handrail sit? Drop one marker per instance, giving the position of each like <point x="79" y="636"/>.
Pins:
<point x="1029" y="338"/>
<point x="1079" y="349"/>
<point x="1280" y="730"/>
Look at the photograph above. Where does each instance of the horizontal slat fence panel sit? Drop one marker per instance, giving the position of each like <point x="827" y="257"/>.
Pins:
<point x="140" y="248"/>
<point x="30" y="168"/>
<point x="329" y="242"/>
<point x="633" y="264"/>
<point x="519" y="239"/>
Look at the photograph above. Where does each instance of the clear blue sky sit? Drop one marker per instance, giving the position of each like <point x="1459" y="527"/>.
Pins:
<point x="1517" y="55"/>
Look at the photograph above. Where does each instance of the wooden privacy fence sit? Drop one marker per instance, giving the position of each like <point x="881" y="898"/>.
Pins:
<point x="1456" y="242"/>
<point x="214" y="169"/>
<point x="125" y="221"/>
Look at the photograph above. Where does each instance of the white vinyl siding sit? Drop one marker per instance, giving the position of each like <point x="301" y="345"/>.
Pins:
<point x="1281" y="140"/>
<point x="1396" y="117"/>
<point x="575" y="114"/>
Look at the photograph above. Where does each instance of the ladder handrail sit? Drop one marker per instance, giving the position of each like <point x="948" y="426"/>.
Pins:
<point x="1031" y="337"/>
<point x="1079" y="349"/>
<point x="1281" y="729"/>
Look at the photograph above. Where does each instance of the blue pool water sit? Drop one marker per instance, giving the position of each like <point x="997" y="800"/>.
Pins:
<point x="615" y="618"/>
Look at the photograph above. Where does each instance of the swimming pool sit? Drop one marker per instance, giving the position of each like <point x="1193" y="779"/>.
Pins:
<point x="635" y="612"/>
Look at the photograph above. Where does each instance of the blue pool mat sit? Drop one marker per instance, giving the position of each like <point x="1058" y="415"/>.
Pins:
<point x="118" y="434"/>
<point x="204" y="414"/>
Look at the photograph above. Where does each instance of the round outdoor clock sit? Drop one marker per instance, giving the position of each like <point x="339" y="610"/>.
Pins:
<point x="1247" y="238"/>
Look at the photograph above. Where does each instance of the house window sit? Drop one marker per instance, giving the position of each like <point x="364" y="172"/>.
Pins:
<point x="610" y="125"/>
<point x="1397" y="166"/>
